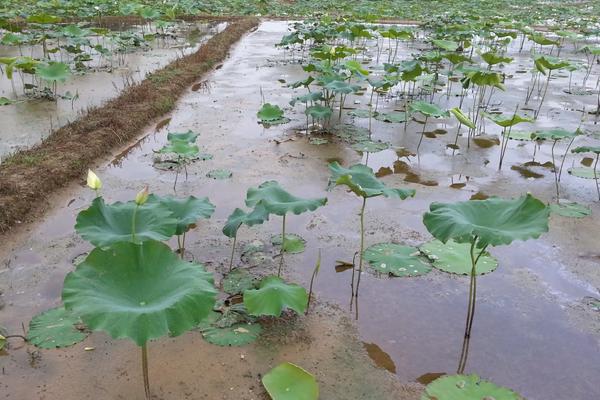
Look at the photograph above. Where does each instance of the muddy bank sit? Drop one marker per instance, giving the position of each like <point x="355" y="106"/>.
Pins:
<point x="27" y="177"/>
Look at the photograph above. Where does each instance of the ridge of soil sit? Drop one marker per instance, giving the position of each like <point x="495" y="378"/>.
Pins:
<point x="29" y="176"/>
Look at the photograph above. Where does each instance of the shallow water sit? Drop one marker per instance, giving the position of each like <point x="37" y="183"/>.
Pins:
<point x="531" y="333"/>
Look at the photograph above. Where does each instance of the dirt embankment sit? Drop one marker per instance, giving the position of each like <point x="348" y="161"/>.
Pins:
<point x="28" y="177"/>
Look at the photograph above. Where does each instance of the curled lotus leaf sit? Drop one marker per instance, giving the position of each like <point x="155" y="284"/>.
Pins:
<point x="187" y="211"/>
<point x="362" y="181"/>
<point x="187" y="137"/>
<point x="273" y="296"/>
<point x="238" y="217"/>
<point x="278" y="201"/>
<point x="428" y="109"/>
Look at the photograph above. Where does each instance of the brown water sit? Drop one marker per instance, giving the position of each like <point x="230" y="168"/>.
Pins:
<point x="533" y="330"/>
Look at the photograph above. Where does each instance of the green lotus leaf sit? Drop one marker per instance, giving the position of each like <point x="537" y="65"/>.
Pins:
<point x="462" y="117"/>
<point x="456" y="58"/>
<point x="505" y="122"/>
<point x="397" y="260"/>
<point x="307" y="98"/>
<point x="55" y="328"/>
<point x="238" y="281"/>
<point x="586" y="149"/>
<point x="236" y="335"/>
<point x="54" y="72"/>
<point x="319" y="112"/>
<point x="362" y="181"/>
<point x="493" y="221"/>
<point x="492" y="58"/>
<point x="448" y="45"/>
<point x="428" y="109"/>
<point x="584" y="172"/>
<point x="280" y="202"/>
<point x="342" y="87"/>
<point x="269" y="113"/>
<point x="317" y="141"/>
<point x="351" y="133"/>
<point x="181" y="148"/>
<point x="104" y="224"/>
<point x="186" y="211"/>
<point x="219" y="174"/>
<point x="140" y="292"/>
<point x="393" y="117"/>
<point x="2" y="342"/>
<point x="43" y="19"/>
<point x="288" y="381"/>
<point x="370" y="146"/>
<point x="545" y="62"/>
<point x="466" y="387"/>
<point x="187" y="137"/>
<point x="455" y="258"/>
<point x="256" y="217"/>
<point x="273" y="296"/>
<point x="555" y="134"/>
<point x="5" y="101"/>
<point x="358" y="113"/>
<point x="520" y="135"/>
<point x="542" y="40"/>
<point x="294" y="244"/>
<point x="570" y="209"/>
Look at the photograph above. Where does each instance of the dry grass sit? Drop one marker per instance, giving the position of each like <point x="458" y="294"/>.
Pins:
<point x="30" y="176"/>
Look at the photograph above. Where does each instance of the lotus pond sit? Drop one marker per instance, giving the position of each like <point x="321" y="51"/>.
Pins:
<point x="346" y="210"/>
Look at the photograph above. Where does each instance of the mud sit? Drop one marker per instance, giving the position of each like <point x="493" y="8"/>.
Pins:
<point x="534" y="330"/>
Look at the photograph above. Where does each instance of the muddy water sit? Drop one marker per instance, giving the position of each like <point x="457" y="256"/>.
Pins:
<point x="533" y="331"/>
<point x="28" y="122"/>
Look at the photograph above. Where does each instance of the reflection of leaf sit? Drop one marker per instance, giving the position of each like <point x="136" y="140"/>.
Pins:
<point x="55" y="328"/>
<point x="290" y="382"/>
<point x="140" y="292"/>
<point x="273" y="296"/>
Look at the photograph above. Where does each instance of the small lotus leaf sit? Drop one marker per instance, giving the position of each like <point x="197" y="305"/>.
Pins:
<point x="319" y="112"/>
<point x="555" y="134"/>
<point x="428" y="109"/>
<point x="186" y="211"/>
<point x="182" y="149"/>
<point x="370" y="147"/>
<point x="236" y="335"/>
<point x="570" y="209"/>
<point x="288" y="381"/>
<point x="278" y="201"/>
<point x="505" y="122"/>
<point x="55" y="328"/>
<point x="188" y="137"/>
<point x="273" y="296"/>
<point x="269" y="113"/>
<point x="54" y="72"/>
<point x="466" y="387"/>
<point x="586" y="149"/>
<point x="219" y="174"/>
<point x="362" y="181"/>
<point x="396" y="117"/>
<point x="397" y="260"/>
<point x="293" y="243"/>
<point x="140" y="292"/>
<point x="104" y="224"/>
<point x="238" y="281"/>
<point x="584" y="172"/>
<point x="455" y="258"/>
<point x="521" y="135"/>
<point x="239" y="217"/>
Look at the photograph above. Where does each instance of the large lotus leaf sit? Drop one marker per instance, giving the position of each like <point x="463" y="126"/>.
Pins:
<point x="570" y="209"/>
<point x="584" y="172"/>
<point x="186" y="211"/>
<point x="586" y="149"/>
<point x="318" y="111"/>
<point x="188" y="137"/>
<point x="181" y="148"/>
<point x="455" y="258"/>
<point x="280" y="202"/>
<point x="493" y="221"/>
<point x="104" y="224"/>
<point x="428" y="109"/>
<point x="255" y="217"/>
<point x="55" y="328"/>
<point x="505" y="122"/>
<point x="466" y="387"/>
<point x="235" y="335"/>
<point x="462" y="117"/>
<point x="362" y="181"/>
<point x="273" y="295"/>
<point x="54" y="72"/>
<point x="397" y="260"/>
<point x="555" y="134"/>
<point x="288" y="381"/>
<point x="294" y="244"/>
<point x="269" y="113"/>
<point x="238" y="281"/>
<point x="140" y="292"/>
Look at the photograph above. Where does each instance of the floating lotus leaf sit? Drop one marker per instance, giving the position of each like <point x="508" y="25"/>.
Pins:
<point x="238" y="281"/>
<point x="55" y="328"/>
<point x="186" y="211"/>
<point x="104" y="224"/>
<point x="278" y="201"/>
<point x="493" y="221"/>
<point x="319" y="112"/>
<point x="239" y="217"/>
<point x="570" y="209"/>
<point x="54" y="72"/>
<point x="505" y="122"/>
<point x="288" y="381"/>
<point x="219" y="174"/>
<point x="396" y="117"/>
<point x="318" y="141"/>
<point x="397" y="260"/>
<point x="448" y="45"/>
<point x="235" y="335"/>
<point x="586" y="149"/>
<point x="466" y="387"/>
<point x="351" y="133"/>
<point x="455" y="258"/>
<point x="362" y="181"/>
<point x="182" y="149"/>
<point x="294" y="244"/>
<point x="462" y="117"/>
<point x="555" y="134"/>
<point x="492" y="58"/>
<point x="269" y="113"/>
<point x="370" y="147"/>
<point x="362" y="113"/>
<point x="273" y="296"/>
<point x="140" y="292"/>
<point x="428" y="109"/>
<point x="188" y="137"/>
<point x="520" y="135"/>
<point x="584" y="172"/>
<point x="205" y="156"/>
